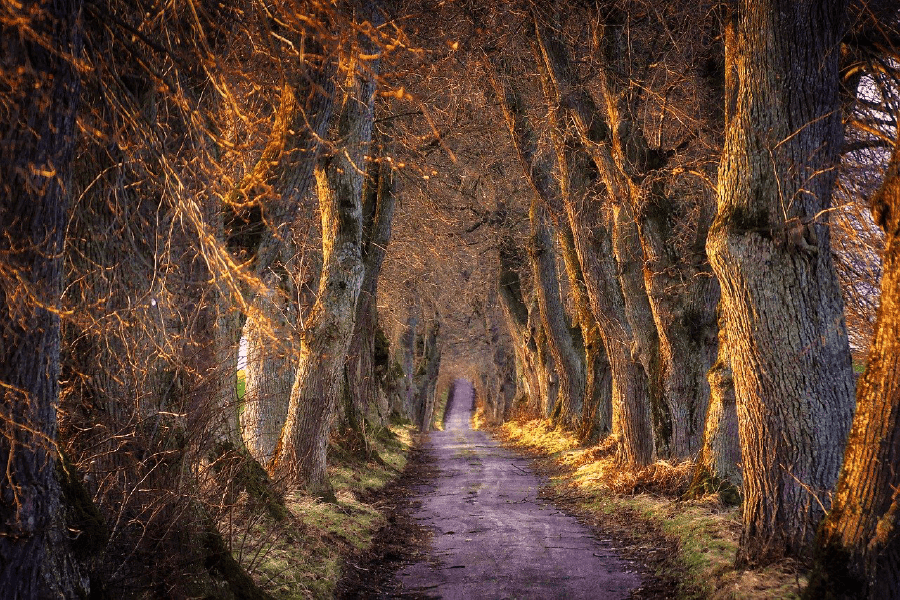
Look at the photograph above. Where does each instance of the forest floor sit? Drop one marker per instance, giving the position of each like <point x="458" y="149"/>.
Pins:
<point x="300" y="549"/>
<point x="690" y="545"/>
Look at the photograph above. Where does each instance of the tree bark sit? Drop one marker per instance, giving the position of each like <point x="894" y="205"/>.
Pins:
<point x="718" y="463"/>
<point x="593" y="238"/>
<point x="37" y="133"/>
<point x="510" y="293"/>
<point x="288" y="163"/>
<point x="268" y="374"/>
<point x="769" y="246"/>
<point x="301" y="452"/>
<point x="378" y="212"/>
<point x="858" y="548"/>
<point x="569" y="361"/>
<point x="593" y="244"/>
<point x="597" y="413"/>
<point x="670" y="300"/>
<point x="427" y="374"/>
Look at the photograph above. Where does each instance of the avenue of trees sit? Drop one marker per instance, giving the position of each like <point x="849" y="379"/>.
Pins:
<point x="669" y="226"/>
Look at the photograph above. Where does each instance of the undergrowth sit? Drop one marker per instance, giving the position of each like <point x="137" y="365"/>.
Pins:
<point x="706" y="532"/>
<point x="300" y="555"/>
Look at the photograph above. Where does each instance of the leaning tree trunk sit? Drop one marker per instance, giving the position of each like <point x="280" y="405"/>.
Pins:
<point x="378" y="212"/>
<point x="37" y="131"/>
<point x="287" y="163"/>
<point x="670" y="299"/>
<point x="509" y="289"/>
<point x="597" y="413"/>
<point x="858" y="549"/>
<point x="769" y="246"/>
<point x="568" y="359"/>
<point x="301" y="452"/>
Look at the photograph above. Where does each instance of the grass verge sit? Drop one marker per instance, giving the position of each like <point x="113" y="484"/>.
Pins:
<point x="689" y="543"/>
<point x="302" y="554"/>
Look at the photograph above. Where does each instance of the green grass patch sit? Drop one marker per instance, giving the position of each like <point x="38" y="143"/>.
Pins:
<point x="241" y="384"/>
<point x="440" y="408"/>
<point x="302" y="556"/>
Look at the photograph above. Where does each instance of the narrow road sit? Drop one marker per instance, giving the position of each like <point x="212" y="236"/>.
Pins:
<point x="493" y="537"/>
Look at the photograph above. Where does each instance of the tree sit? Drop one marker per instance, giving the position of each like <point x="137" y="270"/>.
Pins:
<point x="301" y="452"/>
<point x="858" y="548"/>
<point x="378" y="213"/>
<point x="569" y="358"/>
<point x="669" y="294"/>
<point x="39" y="92"/>
<point x="784" y="322"/>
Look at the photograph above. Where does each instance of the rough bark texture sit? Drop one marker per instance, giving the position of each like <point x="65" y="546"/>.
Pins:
<point x="769" y="246"/>
<point x="37" y="132"/>
<point x="378" y="212"/>
<point x="592" y="237"/>
<point x="288" y="163"/>
<point x="543" y="364"/>
<point x="683" y="294"/>
<point x="268" y="375"/>
<point x="301" y="452"/>
<point x="631" y="409"/>
<point x="858" y="549"/>
<point x="718" y="464"/>
<point x="597" y="413"/>
<point x="510" y="294"/>
<point x="630" y="262"/>
<point x="568" y="358"/>
<point x="670" y="299"/>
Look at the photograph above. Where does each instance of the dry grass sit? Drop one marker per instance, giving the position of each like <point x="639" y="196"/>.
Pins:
<point x="302" y="555"/>
<point x="705" y="532"/>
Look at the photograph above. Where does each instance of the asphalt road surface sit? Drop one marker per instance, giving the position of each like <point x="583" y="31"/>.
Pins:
<point x="493" y="537"/>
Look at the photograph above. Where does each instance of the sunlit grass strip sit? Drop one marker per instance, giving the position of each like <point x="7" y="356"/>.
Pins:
<point x="301" y="557"/>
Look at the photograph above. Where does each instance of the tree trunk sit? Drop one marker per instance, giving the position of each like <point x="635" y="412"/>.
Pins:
<point x="718" y="464"/>
<point x="769" y="246"/>
<point x="569" y="361"/>
<point x="670" y="300"/>
<point x="406" y="347"/>
<point x="858" y="549"/>
<point x="683" y="293"/>
<point x="597" y="413"/>
<point x="268" y="374"/>
<point x="301" y="452"/>
<point x="37" y="134"/>
<point x="307" y="105"/>
<point x="630" y="261"/>
<point x="516" y="313"/>
<point x="378" y="212"/>
<point x="427" y="374"/>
